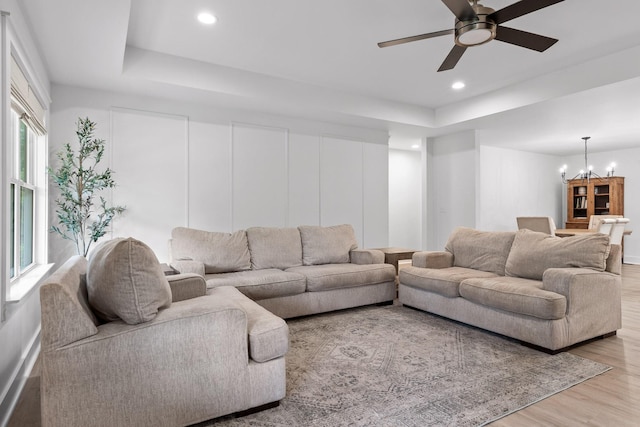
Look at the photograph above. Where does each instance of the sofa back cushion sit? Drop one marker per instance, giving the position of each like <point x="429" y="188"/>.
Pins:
<point x="327" y="245"/>
<point x="125" y="281"/>
<point x="219" y="252"/>
<point x="480" y="250"/>
<point x="274" y="247"/>
<point x="532" y="253"/>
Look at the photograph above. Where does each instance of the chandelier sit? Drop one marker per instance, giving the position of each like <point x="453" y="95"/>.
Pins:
<point x="586" y="173"/>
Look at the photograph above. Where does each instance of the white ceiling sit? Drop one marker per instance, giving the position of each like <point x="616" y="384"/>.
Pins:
<point x="320" y="60"/>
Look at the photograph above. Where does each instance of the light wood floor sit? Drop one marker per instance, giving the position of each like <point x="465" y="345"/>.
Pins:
<point x="610" y="399"/>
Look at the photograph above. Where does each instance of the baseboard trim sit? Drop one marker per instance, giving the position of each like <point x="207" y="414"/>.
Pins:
<point x="631" y="260"/>
<point x="19" y="379"/>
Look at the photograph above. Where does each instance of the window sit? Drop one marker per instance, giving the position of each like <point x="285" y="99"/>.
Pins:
<point x="24" y="179"/>
<point x="22" y="197"/>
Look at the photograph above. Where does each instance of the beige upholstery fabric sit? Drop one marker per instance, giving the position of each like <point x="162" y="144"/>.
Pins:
<point x="220" y="252"/>
<point x="125" y="281"/>
<point x="522" y="296"/>
<point x="444" y="281"/>
<point x="533" y="253"/>
<point x="268" y="334"/>
<point x="274" y="247"/>
<point x="334" y="276"/>
<point x="308" y="303"/>
<point x="63" y="302"/>
<point x="480" y="250"/>
<point x="432" y="259"/>
<point x="327" y="245"/>
<point x="614" y="260"/>
<point x="186" y="286"/>
<point x="140" y="375"/>
<point x="366" y="256"/>
<point x="260" y="284"/>
<point x="186" y="266"/>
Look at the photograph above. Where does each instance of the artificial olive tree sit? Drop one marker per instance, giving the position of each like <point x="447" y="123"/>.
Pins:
<point x="83" y="215"/>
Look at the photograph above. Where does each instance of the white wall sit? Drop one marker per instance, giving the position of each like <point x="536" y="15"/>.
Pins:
<point x="628" y="166"/>
<point x="20" y="324"/>
<point x="517" y="183"/>
<point x="190" y="165"/>
<point x="405" y="199"/>
<point x="451" y="193"/>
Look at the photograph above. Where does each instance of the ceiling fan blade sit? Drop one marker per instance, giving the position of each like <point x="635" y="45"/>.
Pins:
<point x="524" y="39"/>
<point x="462" y="9"/>
<point x="520" y="8"/>
<point x="415" y="38"/>
<point x="452" y="59"/>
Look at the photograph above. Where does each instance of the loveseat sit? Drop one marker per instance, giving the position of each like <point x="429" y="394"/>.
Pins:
<point x="122" y="346"/>
<point x="547" y="291"/>
<point x="289" y="271"/>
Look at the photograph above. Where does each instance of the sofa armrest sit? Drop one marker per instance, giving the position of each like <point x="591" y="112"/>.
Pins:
<point x="188" y="266"/>
<point x="614" y="261"/>
<point x="366" y="256"/>
<point x="590" y="294"/>
<point x="186" y="286"/>
<point x="268" y="333"/>
<point x="432" y="259"/>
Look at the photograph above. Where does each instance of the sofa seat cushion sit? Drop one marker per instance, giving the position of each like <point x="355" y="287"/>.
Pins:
<point x="334" y="276"/>
<point x="268" y="334"/>
<point x="219" y="252"/>
<point x="272" y="247"/>
<point x="260" y="284"/>
<point x="442" y="281"/>
<point x="480" y="250"/>
<point x="515" y="295"/>
<point x="533" y="253"/>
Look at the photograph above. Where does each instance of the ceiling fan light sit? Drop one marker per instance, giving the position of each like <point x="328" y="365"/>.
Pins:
<point x="475" y="37"/>
<point x="474" y="33"/>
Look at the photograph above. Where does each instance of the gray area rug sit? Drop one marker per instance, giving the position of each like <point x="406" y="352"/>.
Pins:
<point x="394" y="366"/>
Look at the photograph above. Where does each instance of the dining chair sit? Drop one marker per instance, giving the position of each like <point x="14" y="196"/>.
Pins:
<point x="605" y="225"/>
<point x="543" y="224"/>
<point x="595" y="219"/>
<point x="618" y="230"/>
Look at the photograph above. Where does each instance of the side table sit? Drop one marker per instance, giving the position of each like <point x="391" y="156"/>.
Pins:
<point x="393" y="255"/>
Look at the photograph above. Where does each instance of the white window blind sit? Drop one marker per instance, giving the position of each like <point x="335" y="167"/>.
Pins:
<point x="24" y="100"/>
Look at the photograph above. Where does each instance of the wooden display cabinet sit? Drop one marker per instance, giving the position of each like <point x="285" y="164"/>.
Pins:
<point x="596" y="196"/>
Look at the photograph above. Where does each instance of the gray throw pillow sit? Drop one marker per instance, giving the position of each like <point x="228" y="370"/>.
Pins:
<point x="125" y="281"/>
<point x="327" y="245"/>
<point x="533" y="252"/>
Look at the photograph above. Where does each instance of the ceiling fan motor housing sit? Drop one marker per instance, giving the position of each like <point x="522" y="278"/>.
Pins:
<point x="476" y="32"/>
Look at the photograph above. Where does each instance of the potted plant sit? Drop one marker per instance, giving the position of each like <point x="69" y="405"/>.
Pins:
<point x="82" y="218"/>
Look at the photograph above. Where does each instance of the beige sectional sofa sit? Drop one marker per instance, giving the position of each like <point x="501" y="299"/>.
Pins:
<point x="546" y="291"/>
<point x="289" y="271"/>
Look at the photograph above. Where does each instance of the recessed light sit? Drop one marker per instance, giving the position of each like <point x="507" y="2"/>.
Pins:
<point x="207" y="18"/>
<point x="457" y="85"/>
<point x="415" y="146"/>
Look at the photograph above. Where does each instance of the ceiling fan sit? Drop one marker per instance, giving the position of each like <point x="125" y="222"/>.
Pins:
<point x="476" y="24"/>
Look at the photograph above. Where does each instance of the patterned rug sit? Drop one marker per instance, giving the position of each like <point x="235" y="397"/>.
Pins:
<point x="394" y="366"/>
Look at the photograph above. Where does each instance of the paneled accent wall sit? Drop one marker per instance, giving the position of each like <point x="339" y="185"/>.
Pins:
<point x="149" y="157"/>
<point x="173" y="170"/>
